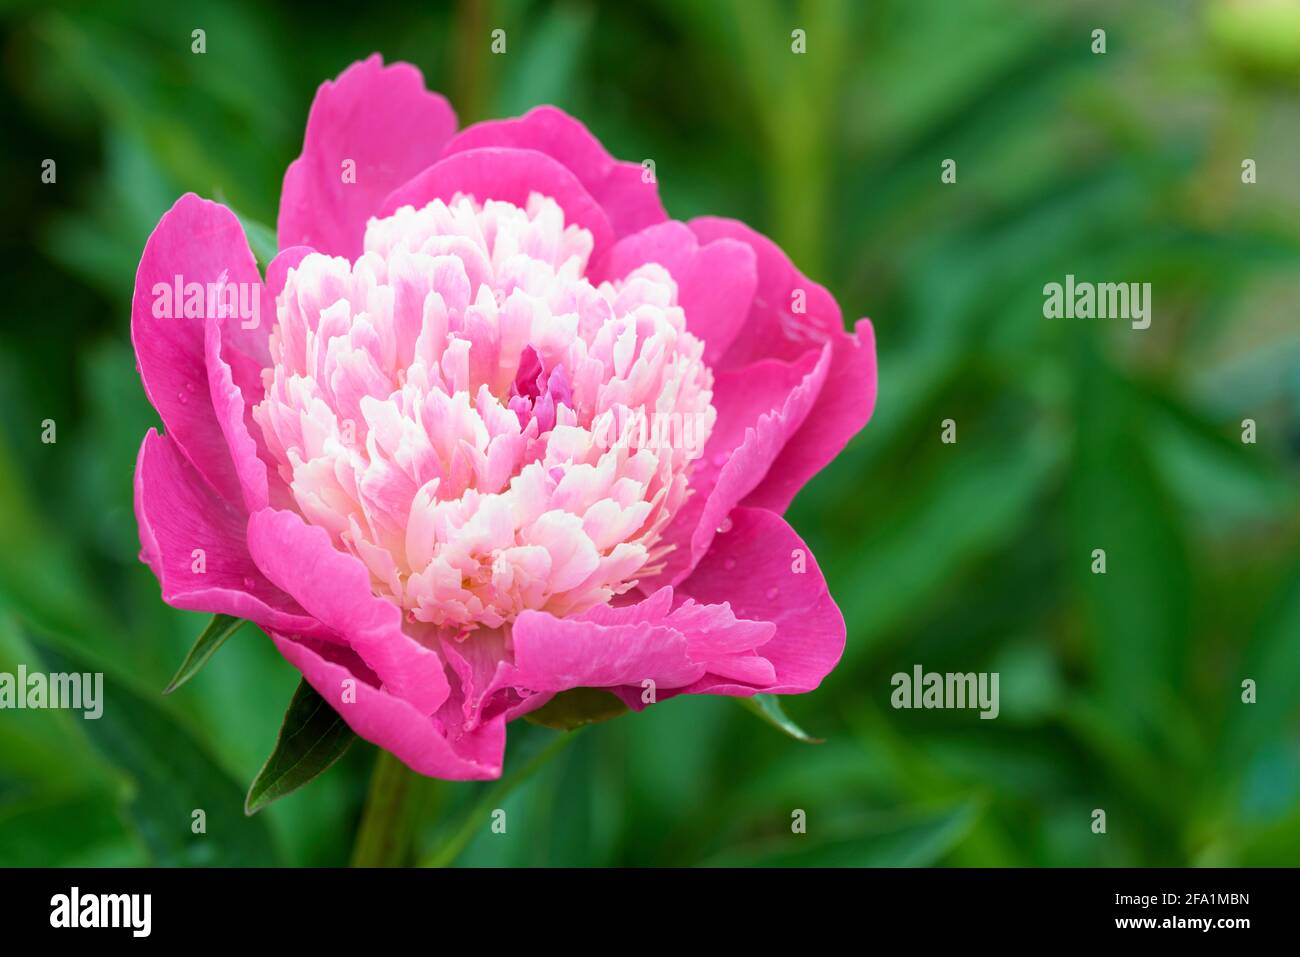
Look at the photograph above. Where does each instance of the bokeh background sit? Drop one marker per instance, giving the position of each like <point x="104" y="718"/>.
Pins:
<point x="1120" y="692"/>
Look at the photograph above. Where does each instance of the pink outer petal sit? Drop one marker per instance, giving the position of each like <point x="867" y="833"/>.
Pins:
<point x="555" y="654"/>
<point x="510" y="175"/>
<point x="334" y="587"/>
<point x="235" y="358"/>
<point x="843" y="407"/>
<point x="752" y="567"/>
<point x="715" y="281"/>
<point x="201" y="242"/>
<point x="609" y="647"/>
<point x="774" y="329"/>
<point x="630" y="203"/>
<point x="392" y="722"/>
<point x="759" y="408"/>
<point x="177" y="513"/>
<point x="388" y="124"/>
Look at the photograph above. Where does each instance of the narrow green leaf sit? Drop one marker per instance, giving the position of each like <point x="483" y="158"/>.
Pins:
<point x="214" y="636"/>
<point x="577" y="707"/>
<point x="311" y="739"/>
<point x="768" y="707"/>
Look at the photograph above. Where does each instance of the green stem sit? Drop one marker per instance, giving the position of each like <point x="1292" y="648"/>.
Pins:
<point x="383" y="839"/>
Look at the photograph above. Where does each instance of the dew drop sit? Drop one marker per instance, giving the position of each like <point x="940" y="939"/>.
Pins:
<point x="725" y="526"/>
<point x="183" y="397"/>
<point x="248" y="583"/>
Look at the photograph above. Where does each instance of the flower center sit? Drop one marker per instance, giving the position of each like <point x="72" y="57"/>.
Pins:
<point x="467" y="414"/>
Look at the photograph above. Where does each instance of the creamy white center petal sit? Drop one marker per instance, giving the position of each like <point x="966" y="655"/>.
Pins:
<point x="474" y="420"/>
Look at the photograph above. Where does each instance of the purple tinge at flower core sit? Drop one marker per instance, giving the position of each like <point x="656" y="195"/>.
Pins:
<point x="503" y="428"/>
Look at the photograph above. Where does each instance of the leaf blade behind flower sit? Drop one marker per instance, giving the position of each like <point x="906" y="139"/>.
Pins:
<point x="312" y="737"/>
<point x="575" y="708"/>
<point x="768" y="707"/>
<point x="219" y="629"/>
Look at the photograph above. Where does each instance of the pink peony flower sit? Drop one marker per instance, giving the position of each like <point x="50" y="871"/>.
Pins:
<point x="492" y="427"/>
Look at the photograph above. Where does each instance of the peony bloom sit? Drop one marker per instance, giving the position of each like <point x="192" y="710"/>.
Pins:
<point x="492" y="427"/>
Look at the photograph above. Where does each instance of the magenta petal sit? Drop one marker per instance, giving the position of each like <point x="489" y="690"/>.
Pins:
<point x="555" y="654"/>
<point x="418" y="739"/>
<point x="774" y="328"/>
<point x="715" y="281"/>
<point x="235" y="358"/>
<point x="334" y="587"/>
<point x="178" y="514"/>
<point x="621" y="189"/>
<point x="478" y="664"/>
<point x="763" y="441"/>
<point x="388" y="125"/>
<point x="510" y="175"/>
<point x="759" y="408"/>
<point x="755" y="567"/>
<point x="200" y="242"/>
<point x="730" y="647"/>
<point x="231" y="409"/>
<point x="843" y="406"/>
<point x="608" y="647"/>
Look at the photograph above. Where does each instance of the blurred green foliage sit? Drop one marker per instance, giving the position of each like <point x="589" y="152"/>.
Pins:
<point x="1120" y="692"/>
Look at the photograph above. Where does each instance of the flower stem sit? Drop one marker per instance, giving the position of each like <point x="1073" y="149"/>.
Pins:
<point x="383" y="839"/>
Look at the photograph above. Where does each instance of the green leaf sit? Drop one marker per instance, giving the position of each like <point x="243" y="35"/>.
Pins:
<point x="932" y="534"/>
<point x="1136" y="614"/>
<point x="912" y="838"/>
<point x="173" y="782"/>
<point x="768" y="707"/>
<point x="577" y="707"/>
<point x="546" y="69"/>
<point x="205" y="646"/>
<point x="34" y="832"/>
<point x="311" y="739"/>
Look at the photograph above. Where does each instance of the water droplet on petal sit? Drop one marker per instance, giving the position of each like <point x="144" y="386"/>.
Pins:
<point x="248" y="582"/>
<point x="725" y="526"/>
<point x="183" y="397"/>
